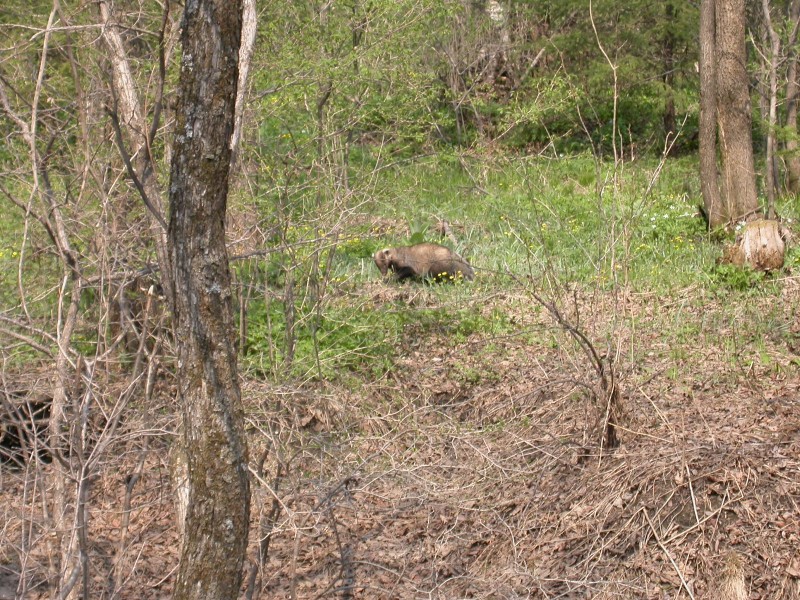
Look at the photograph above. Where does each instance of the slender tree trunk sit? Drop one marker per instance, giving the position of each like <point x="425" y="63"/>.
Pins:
<point x="65" y="501"/>
<point x="65" y="560"/>
<point x="733" y="111"/>
<point x="217" y="518"/>
<point x="668" y="47"/>
<point x="132" y="120"/>
<point x="709" y="176"/>
<point x="792" y="90"/>
<point x="249" y="28"/>
<point x="772" y="111"/>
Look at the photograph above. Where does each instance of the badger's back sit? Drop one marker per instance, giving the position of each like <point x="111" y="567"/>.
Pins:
<point x="423" y="260"/>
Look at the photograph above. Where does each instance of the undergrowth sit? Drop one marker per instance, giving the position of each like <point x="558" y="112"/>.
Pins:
<point x="553" y="223"/>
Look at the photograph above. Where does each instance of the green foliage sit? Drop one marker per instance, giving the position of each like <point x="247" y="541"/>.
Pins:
<point x="738" y="279"/>
<point x="357" y="248"/>
<point x="357" y="67"/>
<point x="343" y="340"/>
<point x="569" y="102"/>
<point x="792" y="259"/>
<point x="9" y="257"/>
<point x="377" y="113"/>
<point x="532" y="217"/>
<point x="354" y="339"/>
<point x="530" y="220"/>
<point x="408" y="75"/>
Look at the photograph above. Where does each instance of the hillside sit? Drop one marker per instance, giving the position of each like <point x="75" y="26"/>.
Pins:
<point x="473" y="467"/>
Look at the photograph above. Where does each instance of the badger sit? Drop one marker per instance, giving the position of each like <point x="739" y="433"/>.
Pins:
<point x="423" y="261"/>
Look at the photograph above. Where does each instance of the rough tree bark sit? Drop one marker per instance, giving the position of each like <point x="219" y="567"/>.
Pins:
<point x="725" y="115"/>
<point x="733" y="111"/>
<point x="709" y="176"/>
<point x="724" y="90"/>
<point x="217" y="518"/>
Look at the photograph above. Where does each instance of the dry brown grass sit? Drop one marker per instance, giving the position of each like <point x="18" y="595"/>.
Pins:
<point x="475" y="470"/>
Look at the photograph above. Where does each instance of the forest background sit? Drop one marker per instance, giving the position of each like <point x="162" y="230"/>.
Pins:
<point x="609" y="410"/>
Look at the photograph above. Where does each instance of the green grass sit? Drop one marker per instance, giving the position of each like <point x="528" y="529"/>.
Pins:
<point x="566" y="218"/>
<point x="529" y="218"/>
<point x="562" y="216"/>
<point x="354" y="337"/>
<point x="563" y="222"/>
<point x="549" y="223"/>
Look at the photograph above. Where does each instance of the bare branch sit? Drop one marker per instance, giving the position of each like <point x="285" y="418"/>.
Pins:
<point x="131" y="171"/>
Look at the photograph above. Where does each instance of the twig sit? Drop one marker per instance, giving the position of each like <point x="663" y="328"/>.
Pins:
<point x="323" y="503"/>
<point x="708" y="517"/>
<point x="131" y="171"/>
<point x="669" y="556"/>
<point x="133" y="479"/>
<point x="691" y="493"/>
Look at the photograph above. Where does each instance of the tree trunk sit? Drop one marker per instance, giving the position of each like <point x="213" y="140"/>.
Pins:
<point x="772" y="111"/>
<point x="65" y="499"/>
<point x="733" y="111"/>
<point x="761" y="244"/>
<point x="792" y="90"/>
<point x="217" y="518"/>
<point x="668" y="49"/>
<point x="132" y="120"/>
<point x="709" y="176"/>
<point x="65" y="557"/>
<point x="249" y="27"/>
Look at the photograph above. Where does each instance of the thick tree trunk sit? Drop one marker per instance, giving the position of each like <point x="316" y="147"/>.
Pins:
<point x="709" y="177"/>
<point x="217" y="518"/>
<point x="733" y="111"/>
<point x="761" y="244"/>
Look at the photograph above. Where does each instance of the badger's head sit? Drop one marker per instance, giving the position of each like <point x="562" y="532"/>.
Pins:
<point x="382" y="258"/>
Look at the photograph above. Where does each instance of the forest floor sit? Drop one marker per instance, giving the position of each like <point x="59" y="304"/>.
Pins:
<point x="477" y="468"/>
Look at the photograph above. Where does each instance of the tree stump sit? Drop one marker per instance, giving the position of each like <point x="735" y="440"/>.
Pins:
<point x="761" y="245"/>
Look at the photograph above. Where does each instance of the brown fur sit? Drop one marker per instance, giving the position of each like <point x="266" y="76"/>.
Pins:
<point x="731" y="584"/>
<point x="423" y="261"/>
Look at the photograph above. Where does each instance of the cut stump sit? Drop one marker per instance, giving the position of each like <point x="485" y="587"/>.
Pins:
<point x="761" y="245"/>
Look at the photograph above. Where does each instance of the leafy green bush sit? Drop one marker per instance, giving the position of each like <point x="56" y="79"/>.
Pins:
<point x="739" y="279"/>
<point x="326" y="346"/>
<point x="348" y="338"/>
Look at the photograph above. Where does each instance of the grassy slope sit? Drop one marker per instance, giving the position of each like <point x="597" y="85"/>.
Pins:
<point x="460" y="455"/>
<point x="451" y="448"/>
<point x="548" y="224"/>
